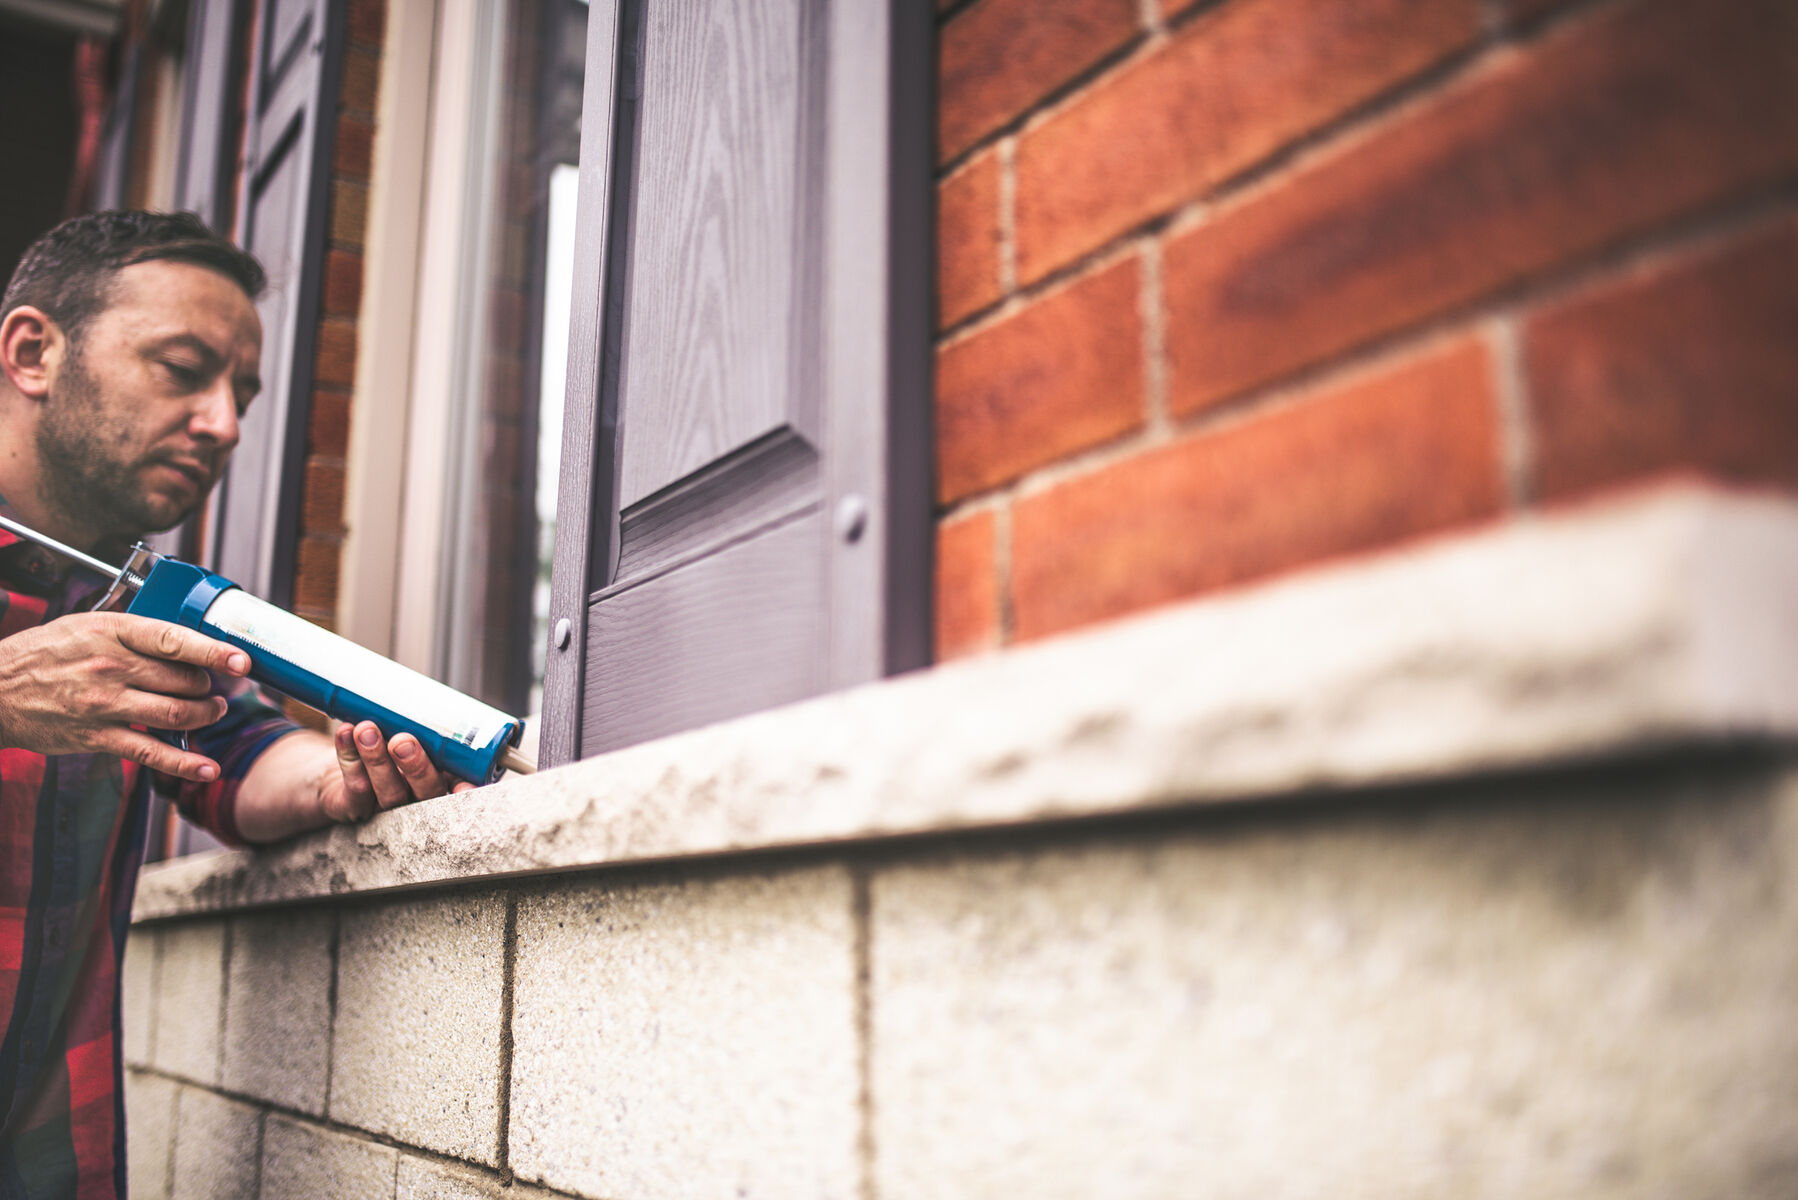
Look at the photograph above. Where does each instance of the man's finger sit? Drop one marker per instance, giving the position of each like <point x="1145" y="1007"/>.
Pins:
<point x="359" y="793"/>
<point x="161" y="639"/>
<point x="168" y="678"/>
<point x="170" y="712"/>
<point x="425" y="779"/>
<point x="391" y="790"/>
<point x="160" y="756"/>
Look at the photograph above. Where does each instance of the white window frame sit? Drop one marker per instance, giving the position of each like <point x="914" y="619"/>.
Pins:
<point x="414" y="421"/>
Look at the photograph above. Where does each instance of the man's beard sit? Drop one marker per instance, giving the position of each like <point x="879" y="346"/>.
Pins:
<point x="86" y="474"/>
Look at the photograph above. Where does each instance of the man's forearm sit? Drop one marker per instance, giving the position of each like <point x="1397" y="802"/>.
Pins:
<point x="283" y="793"/>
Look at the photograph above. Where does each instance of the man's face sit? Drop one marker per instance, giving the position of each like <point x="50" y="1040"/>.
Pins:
<point x="142" y="415"/>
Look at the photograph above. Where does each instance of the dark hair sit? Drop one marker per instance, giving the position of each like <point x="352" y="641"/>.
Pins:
<point x="69" y="271"/>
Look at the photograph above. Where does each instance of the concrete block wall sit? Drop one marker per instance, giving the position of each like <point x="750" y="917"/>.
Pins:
<point x="1228" y="288"/>
<point x="1569" y="983"/>
<point x="1509" y="990"/>
<point x="1465" y="873"/>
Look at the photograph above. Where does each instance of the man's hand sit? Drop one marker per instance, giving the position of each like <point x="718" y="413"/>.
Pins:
<point x="373" y="774"/>
<point x="77" y="684"/>
<point x="302" y="781"/>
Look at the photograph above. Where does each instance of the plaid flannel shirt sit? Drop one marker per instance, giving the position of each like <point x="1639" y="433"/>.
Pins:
<point x="72" y="830"/>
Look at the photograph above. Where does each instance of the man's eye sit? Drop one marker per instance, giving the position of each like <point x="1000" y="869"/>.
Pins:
<point x="182" y="375"/>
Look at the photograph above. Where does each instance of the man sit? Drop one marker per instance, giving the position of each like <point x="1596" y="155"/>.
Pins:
<point x="129" y="348"/>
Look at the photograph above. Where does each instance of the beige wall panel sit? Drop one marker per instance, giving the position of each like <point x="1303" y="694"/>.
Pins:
<point x="150" y="1121"/>
<point x="190" y="994"/>
<point x="1582" y="989"/>
<point x="692" y="1038"/>
<point x="278" y="1008"/>
<point x="137" y="995"/>
<point x="304" y="1162"/>
<point x="216" y="1147"/>
<point x="416" y="1049"/>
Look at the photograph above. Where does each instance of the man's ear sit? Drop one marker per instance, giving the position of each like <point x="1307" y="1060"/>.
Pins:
<point x="32" y="346"/>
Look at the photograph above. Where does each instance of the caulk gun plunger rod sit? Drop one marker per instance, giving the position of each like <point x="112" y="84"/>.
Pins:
<point x="50" y="543"/>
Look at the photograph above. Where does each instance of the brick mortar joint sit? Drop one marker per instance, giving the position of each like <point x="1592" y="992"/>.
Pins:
<point x="1510" y="389"/>
<point x="225" y="938"/>
<point x="1008" y="218"/>
<point x="261" y="1146"/>
<point x="333" y="946"/>
<point x="1002" y="572"/>
<point x="861" y="905"/>
<point x="1156" y="368"/>
<point x="508" y="983"/>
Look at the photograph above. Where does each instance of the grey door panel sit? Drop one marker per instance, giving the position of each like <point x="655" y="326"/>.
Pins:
<point x="674" y="652"/>
<point x="744" y="513"/>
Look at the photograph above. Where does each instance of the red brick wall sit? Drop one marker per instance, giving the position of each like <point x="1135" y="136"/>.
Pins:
<point x="327" y="439"/>
<point x="1229" y="288"/>
<point x="322" y="518"/>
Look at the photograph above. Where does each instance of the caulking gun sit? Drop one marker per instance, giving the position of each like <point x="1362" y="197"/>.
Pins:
<point x="332" y="674"/>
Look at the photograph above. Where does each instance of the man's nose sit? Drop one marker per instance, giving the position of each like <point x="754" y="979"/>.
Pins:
<point x="215" y="415"/>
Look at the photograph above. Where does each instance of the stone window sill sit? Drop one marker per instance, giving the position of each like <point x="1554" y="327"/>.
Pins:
<point x="1661" y="620"/>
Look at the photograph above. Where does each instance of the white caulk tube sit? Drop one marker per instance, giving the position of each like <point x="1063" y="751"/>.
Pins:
<point x="332" y="674"/>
